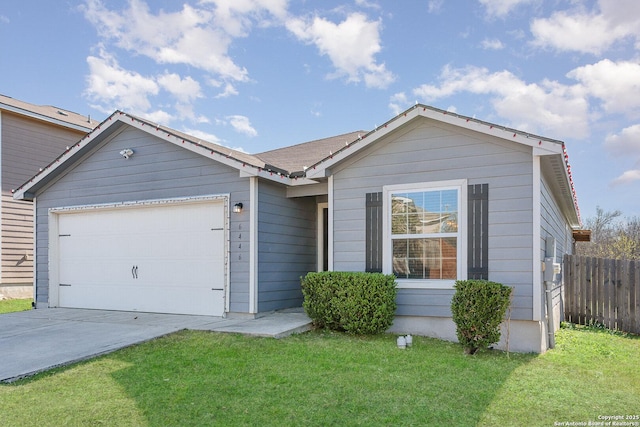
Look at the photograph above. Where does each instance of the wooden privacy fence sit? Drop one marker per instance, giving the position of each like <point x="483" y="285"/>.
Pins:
<point x="603" y="291"/>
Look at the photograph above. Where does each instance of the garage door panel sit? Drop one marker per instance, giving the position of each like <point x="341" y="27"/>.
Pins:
<point x="168" y="258"/>
<point x="189" y="273"/>
<point x="169" y="299"/>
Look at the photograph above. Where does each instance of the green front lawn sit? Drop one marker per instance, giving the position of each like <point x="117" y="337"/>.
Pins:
<point x="321" y="378"/>
<point x="11" y="305"/>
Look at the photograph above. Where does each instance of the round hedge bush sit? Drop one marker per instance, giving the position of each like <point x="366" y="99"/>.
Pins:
<point x="357" y="303"/>
<point x="478" y="308"/>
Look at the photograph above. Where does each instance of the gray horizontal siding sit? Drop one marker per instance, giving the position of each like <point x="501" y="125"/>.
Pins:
<point x="157" y="170"/>
<point x="414" y="302"/>
<point x="553" y="224"/>
<point x="286" y="246"/>
<point x="427" y="151"/>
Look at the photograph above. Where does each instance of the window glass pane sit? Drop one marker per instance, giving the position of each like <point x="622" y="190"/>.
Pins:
<point x="399" y="224"/>
<point x="425" y="258"/>
<point x="400" y="263"/>
<point x="399" y="210"/>
<point x="449" y="258"/>
<point x="424" y="212"/>
<point x="420" y="214"/>
<point x="432" y="201"/>
<point x="414" y="223"/>
<point x="399" y="203"/>
<point x="449" y="210"/>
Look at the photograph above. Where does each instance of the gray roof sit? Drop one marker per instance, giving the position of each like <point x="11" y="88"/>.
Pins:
<point x="221" y="149"/>
<point x="292" y="162"/>
<point x="298" y="157"/>
<point x="48" y="113"/>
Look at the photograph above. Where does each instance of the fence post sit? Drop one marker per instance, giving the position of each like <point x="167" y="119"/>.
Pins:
<point x="588" y="291"/>
<point x="632" y="287"/>
<point x="622" y="295"/>
<point x="636" y="297"/>
<point x="609" y="293"/>
<point x="600" y="292"/>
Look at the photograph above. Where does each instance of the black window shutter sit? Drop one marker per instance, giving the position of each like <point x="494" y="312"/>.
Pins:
<point x="373" y="233"/>
<point x="478" y="232"/>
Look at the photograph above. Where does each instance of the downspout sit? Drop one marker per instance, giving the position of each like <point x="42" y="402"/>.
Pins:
<point x="34" y="303"/>
<point x="548" y="289"/>
<point x="550" y="269"/>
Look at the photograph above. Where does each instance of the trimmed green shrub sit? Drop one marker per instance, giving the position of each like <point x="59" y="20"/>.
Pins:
<point x="357" y="303"/>
<point x="478" y="308"/>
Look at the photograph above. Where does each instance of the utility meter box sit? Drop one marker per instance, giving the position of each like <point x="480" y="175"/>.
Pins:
<point x="550" y="269"/>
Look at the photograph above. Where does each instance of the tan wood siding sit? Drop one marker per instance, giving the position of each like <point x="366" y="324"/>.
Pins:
<point x="27" y="145"/>
<point x="17" y="240"/>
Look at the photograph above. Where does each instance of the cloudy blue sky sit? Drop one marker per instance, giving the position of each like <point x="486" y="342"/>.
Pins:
<point x="261" y="74"/>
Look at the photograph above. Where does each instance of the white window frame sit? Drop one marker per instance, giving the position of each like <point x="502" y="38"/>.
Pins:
<point x="387" y="252"/>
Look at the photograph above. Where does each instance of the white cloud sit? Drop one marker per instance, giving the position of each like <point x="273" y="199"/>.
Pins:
<point x="189" y="36"/>
<point x="185" y="90"/>
<point x="199" y="36"/>
<point x="242" y="125"/>
<point x="202" y="135"/>
<point x="492" y="44"/>
<point x="547" y="107"/>
<point x="501" y="8"/>
<point x="616" y="84"/>
<point x="589" y="31"/>
<point x="229" y="90"/>
<point x="112" y="87"/>
<point x="158" y="116"/>
<point x="365" y="3"/>
<point x="398" y="103"/>
<point x="209" y="137"/>
<point x="4" y="20"/>
<point x="185" y="111"/>
<point x="627" y="177"/>
<point x="351" y="45"/>
<point x="626" y="143"/>
<point x="435" y="6"/>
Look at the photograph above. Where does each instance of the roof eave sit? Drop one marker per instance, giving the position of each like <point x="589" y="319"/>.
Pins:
<point x="321" y="168"/>
<point x="245" y="166"/>
<point x="45" y="118"/>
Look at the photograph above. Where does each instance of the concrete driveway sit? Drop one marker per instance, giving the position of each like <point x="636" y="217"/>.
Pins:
<point x="37" y="340"/>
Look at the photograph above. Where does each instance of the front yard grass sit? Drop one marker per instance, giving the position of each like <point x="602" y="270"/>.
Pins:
<point x="321" y="378"/>
<point x="11" y="305"/>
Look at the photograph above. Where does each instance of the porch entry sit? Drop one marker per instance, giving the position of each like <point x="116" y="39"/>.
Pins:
<point x="323" y="237"/>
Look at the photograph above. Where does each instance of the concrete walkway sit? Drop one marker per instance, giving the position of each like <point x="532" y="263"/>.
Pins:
<point x="37" y="340"/>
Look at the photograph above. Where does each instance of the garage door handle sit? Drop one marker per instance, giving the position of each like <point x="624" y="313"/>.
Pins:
<point x="134" y="271"/>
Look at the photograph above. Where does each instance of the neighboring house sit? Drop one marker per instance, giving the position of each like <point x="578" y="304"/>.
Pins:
<point x="185" y="226"/>
<point x="30" y="137"/>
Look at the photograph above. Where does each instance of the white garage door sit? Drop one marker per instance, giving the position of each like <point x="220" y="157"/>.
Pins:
<point x="163" y="258"/>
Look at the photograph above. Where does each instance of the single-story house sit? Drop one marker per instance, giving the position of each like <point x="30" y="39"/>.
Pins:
<point x="30" y="137"/>
<point x="137" y="216"/>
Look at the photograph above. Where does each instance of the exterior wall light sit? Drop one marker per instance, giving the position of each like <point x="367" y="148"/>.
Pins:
<point x="237" y="208"/>
<point x="126" y="153"/>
